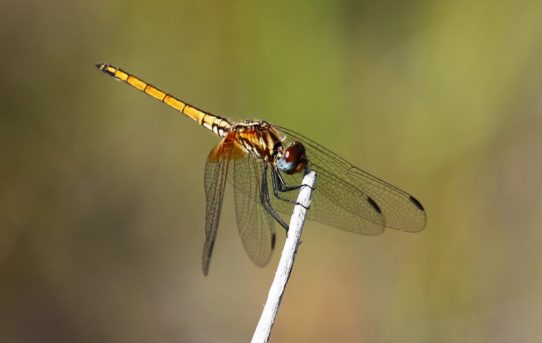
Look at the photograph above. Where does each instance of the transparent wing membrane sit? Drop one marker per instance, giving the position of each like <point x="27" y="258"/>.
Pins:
<point x="216" y="171"/>
<point x="256" y="226"/>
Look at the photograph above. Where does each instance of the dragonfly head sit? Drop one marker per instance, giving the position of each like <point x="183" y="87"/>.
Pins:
<point x="292" y="159"/>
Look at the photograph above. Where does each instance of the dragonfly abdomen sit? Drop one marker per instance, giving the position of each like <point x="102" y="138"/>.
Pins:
<point x="218" y="125"/>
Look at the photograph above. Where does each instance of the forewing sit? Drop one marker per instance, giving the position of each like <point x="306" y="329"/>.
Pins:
<point x="348" y="198"/>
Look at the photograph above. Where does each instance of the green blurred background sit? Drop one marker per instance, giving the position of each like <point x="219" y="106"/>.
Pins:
<point x="102" y="202"/>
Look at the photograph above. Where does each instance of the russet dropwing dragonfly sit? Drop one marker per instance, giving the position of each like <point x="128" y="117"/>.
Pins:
<point x="256" y="155"/>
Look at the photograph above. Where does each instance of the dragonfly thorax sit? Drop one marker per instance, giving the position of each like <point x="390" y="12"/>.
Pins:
<point x="257" y="138"/>
<point x="264" y="141"/>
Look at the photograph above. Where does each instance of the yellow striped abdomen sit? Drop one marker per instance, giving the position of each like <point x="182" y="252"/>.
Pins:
<point x="218" y="125"/>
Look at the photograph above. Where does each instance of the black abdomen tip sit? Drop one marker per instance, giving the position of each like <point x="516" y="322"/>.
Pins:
<point x="107" y="68"/>
<point x="416" y="203"/>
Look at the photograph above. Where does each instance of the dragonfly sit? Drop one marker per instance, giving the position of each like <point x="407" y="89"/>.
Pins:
<point x="265" y="164"/>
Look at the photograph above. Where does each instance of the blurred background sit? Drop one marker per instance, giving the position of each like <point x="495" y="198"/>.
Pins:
<point x="101" y="188"/>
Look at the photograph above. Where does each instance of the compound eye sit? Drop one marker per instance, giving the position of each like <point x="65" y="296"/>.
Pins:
<point x="293" y="160"/>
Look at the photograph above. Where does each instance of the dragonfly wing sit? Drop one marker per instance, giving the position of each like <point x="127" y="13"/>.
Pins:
<point x="216" y="170"/>
<point x="256" y="226"/>
<point x="334" y="203"/>
<point x="348" y="198"/>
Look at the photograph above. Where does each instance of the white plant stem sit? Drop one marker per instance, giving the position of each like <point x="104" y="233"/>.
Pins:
<point x="263" y="330"/>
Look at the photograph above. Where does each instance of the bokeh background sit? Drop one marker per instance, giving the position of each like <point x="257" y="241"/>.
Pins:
<point x="101" y="188"/>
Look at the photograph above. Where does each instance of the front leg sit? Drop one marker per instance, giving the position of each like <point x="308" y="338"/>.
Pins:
<point x="266" y="201"/>
<point x="280" y="186"/>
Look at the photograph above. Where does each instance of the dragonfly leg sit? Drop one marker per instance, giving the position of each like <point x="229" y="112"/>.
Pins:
<point x="280" y="186"/>
<point x="283" y="187"/>
<point x="266" y="201"/>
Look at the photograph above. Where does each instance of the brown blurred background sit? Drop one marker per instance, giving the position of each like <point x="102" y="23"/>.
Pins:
<point x="101" y="188"/>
